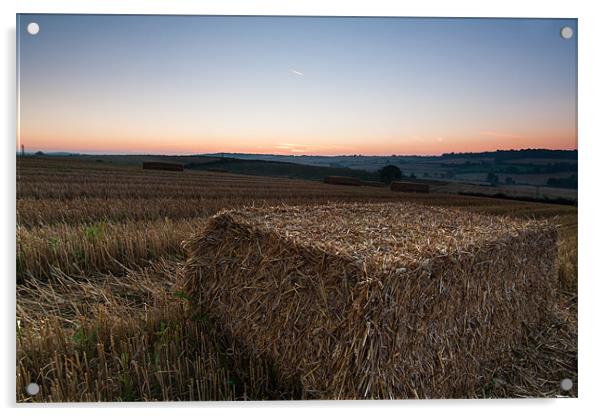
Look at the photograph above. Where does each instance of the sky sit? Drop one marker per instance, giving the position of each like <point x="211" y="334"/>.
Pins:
<point x="294" y="85"/>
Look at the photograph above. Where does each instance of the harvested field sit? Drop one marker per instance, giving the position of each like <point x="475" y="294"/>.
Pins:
<point x="98" y="247"/>
<point x="175" y="167"/>
<point x="409" y="187"/>
<point x="99" y="250"/>
<point x="373" y="183"/>
<point x="342" y="180"/>
<point x="356" y="301"/>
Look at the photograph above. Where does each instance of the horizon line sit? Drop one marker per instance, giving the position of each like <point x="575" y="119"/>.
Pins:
<point x="50" y="152"/>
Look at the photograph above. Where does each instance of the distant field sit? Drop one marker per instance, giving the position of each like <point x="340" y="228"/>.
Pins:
<point x="539" y="179"/>
<point x="524" y="167"/>
<point x="284" y="169"/>
<point x="539" y="193"/>
<point x="98" y="253"/>
<point x="447" y="175"/>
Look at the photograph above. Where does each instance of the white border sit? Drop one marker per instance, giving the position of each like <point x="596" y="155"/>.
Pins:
<point x="590" y="152"/>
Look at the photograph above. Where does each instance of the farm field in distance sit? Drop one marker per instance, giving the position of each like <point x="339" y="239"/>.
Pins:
<point x="534" y="173"/>
<point x="100" y="315"/>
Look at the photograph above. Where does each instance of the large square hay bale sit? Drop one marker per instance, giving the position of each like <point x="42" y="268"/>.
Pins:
<point x="374" y="300"/>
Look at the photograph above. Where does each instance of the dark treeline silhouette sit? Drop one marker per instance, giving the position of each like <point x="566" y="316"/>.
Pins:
<point x="390" y="173"/>
<point x="501" y="155"/>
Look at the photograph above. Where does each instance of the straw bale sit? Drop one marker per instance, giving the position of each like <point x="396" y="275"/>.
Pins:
<point x="392" y="300"/>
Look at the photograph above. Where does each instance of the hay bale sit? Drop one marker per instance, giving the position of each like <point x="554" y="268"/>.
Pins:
<point x="373" y="183"/>
<point x="342" y="180"/>
<point x="409" y="187"/>
<point x="373" y="300"/>
<point x="176" y="167"/>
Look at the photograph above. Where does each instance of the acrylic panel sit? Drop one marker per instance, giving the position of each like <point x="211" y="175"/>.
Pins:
<point x="284" y="207"/>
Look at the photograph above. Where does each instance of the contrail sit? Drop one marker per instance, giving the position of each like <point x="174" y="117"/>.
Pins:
<point x="293" y="71"/>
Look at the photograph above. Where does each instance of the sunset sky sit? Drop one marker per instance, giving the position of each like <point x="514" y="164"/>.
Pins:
<point x="292" y="85"/>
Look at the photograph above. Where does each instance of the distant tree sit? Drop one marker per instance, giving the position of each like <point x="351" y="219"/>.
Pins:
<point x="509" y="180"/>
<point x="493" y="179"/>
<point x="389" y="173"/>
<point x="426" y="174"/>
<point x="413" y="176"/>
<point x="449" y="174"/>
<point x="39" y="153"/>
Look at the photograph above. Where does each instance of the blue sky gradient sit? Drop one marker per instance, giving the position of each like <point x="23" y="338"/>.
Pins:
<point x="295" y="85"/>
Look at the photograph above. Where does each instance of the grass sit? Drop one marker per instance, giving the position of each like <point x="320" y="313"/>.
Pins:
<point x="98" y="254"/>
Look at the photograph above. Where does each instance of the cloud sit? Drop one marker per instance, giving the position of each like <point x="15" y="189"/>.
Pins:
<point x="500" y="135"/>
<point x="306" y="148"/>
<point x="295" y="72"/>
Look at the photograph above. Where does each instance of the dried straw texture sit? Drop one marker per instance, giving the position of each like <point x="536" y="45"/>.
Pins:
<point x="104" y="246"/>
<point x="374" y="300"/>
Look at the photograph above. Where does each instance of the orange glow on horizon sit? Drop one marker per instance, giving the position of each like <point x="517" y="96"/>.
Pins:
<point x="415" y="145"/>
<point x="295" y="86"/>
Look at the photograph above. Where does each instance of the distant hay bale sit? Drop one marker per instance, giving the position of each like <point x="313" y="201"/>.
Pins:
<point x="393" y="300"/>
<point x="176" y="167"/>
<point x="373" y="183"/>
<point x="342" y="180"/>
<point x="409" y="187"/>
